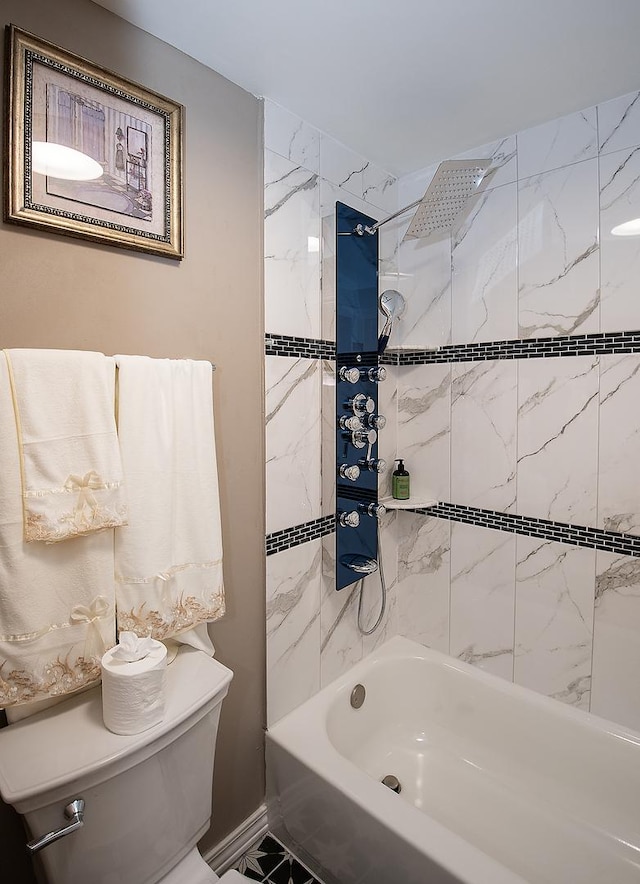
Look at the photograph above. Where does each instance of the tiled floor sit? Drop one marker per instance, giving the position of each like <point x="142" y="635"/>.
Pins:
<point x="270" y="862"/>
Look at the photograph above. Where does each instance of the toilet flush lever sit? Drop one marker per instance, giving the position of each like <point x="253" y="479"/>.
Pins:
<point x="73" y="812"/>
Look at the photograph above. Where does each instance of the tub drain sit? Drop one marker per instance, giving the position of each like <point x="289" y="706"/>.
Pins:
<point x="392" y="783"/>
<point x="357" y="696"/>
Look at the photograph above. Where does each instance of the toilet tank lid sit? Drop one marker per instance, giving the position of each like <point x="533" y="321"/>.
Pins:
<point x="69" y="741"/>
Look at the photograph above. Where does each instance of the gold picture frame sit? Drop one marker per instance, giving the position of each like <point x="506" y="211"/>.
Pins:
<point x="60" y="100"/>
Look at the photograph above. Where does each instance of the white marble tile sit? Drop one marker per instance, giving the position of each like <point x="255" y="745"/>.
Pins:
<point x="293" y="439"/>
<point x="329" y="195"/>
<point x="291" y="137"/>
<point x="341" y="641"/>
<point x="615" y="690"/>
<point x="389" y="625"/>
<point x="413" y="186"/>
<point x="619" y="255"/>
<point x="483" y="597"/>
<point x="424" y="394"/>
<point x="372" y="613"/>
<point x="558" y="252"/>
<point x="391" y="526"/>
<point x="558" y="143"/>
<point x="380" y="188"/>
<point x="423" y="579"/>
<point x="619" y="123"/>
<point x="371" y="603"/>
<point x="388" y="435"/>
<point x="619" y="450"/>
<point x="555" y="586"/>
<point x="342" y="166"/>
<point x="483" y="434"/>
<point x="293" y="628"/>
<point x="484" y="282"/>
<point x="291" y="249"/>
<point x="558" y="438"/>
<point x="328" y="437"/>
<point x="387" y="251"/>
<point x="425" y="281"/>
<point x="502" y="154"/>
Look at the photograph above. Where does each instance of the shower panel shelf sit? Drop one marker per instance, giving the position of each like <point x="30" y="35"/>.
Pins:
<point x="412" y="504"/>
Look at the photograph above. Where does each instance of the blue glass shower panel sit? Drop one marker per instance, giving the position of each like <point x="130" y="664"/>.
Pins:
<point x="360" y="541"/>
<point x="357" y="349"/>
<point x="357" y="282"/>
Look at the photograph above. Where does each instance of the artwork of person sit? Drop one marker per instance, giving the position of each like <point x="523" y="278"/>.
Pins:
<point x="119" y="158"/>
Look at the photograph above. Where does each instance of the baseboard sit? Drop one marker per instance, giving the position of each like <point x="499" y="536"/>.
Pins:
<point x="225" y="854"/>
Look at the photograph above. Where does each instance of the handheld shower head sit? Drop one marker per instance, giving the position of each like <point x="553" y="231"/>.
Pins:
<point x="392" y="304"/>
<point x="454" y="182"/>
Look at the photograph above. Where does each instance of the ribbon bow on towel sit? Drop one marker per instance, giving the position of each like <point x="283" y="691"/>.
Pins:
<point x="92" y="614"/>
<point x="84" y="485"/>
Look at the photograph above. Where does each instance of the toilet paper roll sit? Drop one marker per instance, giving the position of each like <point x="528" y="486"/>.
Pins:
<point x="133" y="693"/>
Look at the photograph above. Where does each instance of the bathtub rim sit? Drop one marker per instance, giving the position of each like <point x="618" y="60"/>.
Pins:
<point x="315" y="750"/>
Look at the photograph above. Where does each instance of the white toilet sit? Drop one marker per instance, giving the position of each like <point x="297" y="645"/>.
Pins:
<point x="147" y="797"/>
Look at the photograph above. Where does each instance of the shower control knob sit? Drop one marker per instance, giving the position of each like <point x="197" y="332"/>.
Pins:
<point x="377" y="374"/>
<point x="349" y="520"/>
<point x="377" y="421"/>
<point x="360" y="438"/>
<point x="376" y="510"/>
<point x="350" y="472"/>
<point x="374" y="465"/>
<point x="352" y="375"/>
<point x="350" y="423"/>
<point x="362" y="404"/>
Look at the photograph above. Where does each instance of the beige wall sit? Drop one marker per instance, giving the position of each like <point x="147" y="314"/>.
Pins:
<point x="65" y="293"/>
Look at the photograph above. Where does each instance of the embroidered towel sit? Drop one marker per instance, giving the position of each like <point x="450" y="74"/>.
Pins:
<point x="69" y="457"/>
<point x="57" y="601"/>
<point x="169" y="557"/>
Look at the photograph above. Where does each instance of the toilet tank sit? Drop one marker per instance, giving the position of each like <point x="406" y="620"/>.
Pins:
<point x="147" y="796"/>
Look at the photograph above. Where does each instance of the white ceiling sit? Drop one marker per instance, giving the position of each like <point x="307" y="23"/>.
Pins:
<point x="409" y="82"/>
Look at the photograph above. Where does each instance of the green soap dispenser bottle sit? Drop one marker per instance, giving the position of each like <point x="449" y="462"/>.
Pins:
<point x="400" y="482"/>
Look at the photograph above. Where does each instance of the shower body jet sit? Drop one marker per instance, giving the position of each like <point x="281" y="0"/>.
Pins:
<point x="454" y="182"/>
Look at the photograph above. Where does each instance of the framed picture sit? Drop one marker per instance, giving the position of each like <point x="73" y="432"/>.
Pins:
<point x="90" y="154"/>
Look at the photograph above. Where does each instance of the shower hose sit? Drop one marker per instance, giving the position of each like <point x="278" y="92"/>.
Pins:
<point x="383" y="591"/>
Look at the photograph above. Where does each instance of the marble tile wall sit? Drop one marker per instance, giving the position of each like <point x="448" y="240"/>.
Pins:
<point x="312" y="634"/>
<point x="554" y="438"/>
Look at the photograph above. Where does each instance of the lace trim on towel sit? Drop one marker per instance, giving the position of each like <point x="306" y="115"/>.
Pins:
<point x="183" y="614"/>
<point x="58" y="677"/>
<point x="87" y="516"/>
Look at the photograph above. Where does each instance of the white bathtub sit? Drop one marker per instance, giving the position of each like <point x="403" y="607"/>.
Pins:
<point x="499" y="784"/>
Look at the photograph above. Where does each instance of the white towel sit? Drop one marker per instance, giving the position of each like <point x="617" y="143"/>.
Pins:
<point x="69" y="456"/>
<point x="57" y="613"/>
<point x="169" y="557"/>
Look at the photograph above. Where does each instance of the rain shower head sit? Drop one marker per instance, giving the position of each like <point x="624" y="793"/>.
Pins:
<point x="451" y="187"/>
<point x="454" y="182"/>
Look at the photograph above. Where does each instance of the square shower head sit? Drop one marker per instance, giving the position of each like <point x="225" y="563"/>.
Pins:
<point x="450" y="188"/>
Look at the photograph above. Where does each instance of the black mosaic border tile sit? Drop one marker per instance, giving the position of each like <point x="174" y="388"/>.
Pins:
<point x="575" y="535"/>
<point x="270" y="862"/>
<point x="363" y="358"/>
<point x="531" y="348"/>
<point x="310" y="348"/>
<point x="294" y="536"/>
